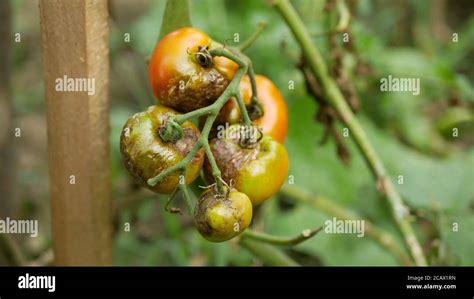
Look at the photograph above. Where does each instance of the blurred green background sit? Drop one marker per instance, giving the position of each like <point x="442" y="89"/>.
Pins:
<point x="412" y="133"/>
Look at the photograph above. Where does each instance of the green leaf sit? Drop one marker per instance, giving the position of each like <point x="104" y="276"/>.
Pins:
<point x="457" y="234"/>
<point x="176" y="16"/>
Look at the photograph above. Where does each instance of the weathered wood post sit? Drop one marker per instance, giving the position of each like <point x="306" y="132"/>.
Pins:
<point x="75" y="54"/>
<point x="7" y="151"/>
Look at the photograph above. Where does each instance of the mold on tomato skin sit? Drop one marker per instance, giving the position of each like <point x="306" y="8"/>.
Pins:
<point x="190" y="92"/>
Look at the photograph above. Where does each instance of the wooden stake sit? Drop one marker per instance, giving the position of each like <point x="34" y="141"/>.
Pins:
<point x="7" y="139"/>
<point x="75" y="44"/>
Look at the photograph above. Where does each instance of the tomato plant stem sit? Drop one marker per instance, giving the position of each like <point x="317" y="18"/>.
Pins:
<point x="334" y="96"/>
<point x="253" y="83"/>
<point x="249" y="42"/>
<point x="170" y="200"/>
<point x="268" y="254"/>
<point x="331" y="208"/>
<point x="187" y="198"/>
<point x="282" y="241"/>
<point x="180" y="119"/>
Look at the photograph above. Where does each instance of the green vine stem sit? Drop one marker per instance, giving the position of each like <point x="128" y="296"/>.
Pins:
<point x="247" y="43"/>
<point x="344" y="16"/>
<point x="268" y="254"/>
<point x="344" y="19"/>
<point x="253" y="82"/>
<point x="329" y="207"/>
<point x="334" y="96"/>
<point x="281" y="241"/>
<point x="168" y="207"/>
<point x="256" y="107"/>
<point x="187" y="198"/>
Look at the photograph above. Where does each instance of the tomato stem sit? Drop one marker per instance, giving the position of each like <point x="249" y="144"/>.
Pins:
<point x="179" y="166"/>
<point x="242" y="107"/>
<point x="187" y="198"/>
<point x="229" y="53"/>
<point x="282" y="241"/>
<point x="207" y="149"/>
<point x="256" y="107"/>
<point x="330" y="207"/>
<point x="169" y="201"/>
<point x="268" y="254"/>
<point x="180" y="119"/>
<point x="249" y="42"/>
<point x="334" y="96"/>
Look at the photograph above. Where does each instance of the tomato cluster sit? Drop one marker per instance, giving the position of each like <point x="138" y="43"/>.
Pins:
<point x="253" y="163"/>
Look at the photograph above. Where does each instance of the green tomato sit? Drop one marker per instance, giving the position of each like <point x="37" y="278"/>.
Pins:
<point x="222" y="217"/>
<point x="145" y="154"/>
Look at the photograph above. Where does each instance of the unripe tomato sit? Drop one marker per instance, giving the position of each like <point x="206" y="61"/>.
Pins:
<point x="145" y="154"/>
<point x="274" y="122"/>
<point x="219" y="217"/>
<point x="183" y="80"/>
<point x="258" y="171"/>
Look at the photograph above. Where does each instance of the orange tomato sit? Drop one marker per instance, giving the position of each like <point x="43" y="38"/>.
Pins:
<point x="178" y="79"/>
<point x="274" y="122"/>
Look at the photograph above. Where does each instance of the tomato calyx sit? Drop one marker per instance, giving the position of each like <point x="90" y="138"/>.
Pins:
<point x="246" y="136"/>
<point x="202" y="56"/>
<point x="170" y="130"/>
<point x="250" y="136"/>
<point x="255" y="109"/>
<point x="220" y="193"/>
